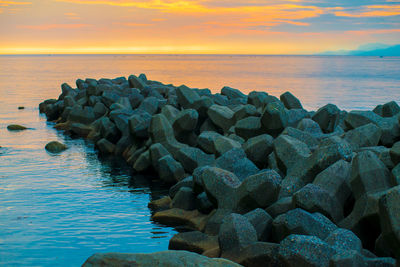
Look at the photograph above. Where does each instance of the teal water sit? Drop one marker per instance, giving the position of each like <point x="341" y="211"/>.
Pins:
<point x="58" y="210"/>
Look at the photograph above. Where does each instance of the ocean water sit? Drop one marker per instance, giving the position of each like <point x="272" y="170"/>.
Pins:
<point x="60" y="209"/>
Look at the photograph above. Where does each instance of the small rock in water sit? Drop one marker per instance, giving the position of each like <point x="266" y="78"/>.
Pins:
<point x="55" y="147"/>
<point x="21" y="107"/>
<point x="16" y="127"/>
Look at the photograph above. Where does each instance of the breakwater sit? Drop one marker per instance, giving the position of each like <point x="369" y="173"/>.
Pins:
<point x="255" y="178"/>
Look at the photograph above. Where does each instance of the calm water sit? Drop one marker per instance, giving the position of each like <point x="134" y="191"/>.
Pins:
<point x="58" y="210"/>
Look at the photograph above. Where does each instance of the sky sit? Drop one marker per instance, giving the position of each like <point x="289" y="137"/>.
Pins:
<point x="195" y="26"/>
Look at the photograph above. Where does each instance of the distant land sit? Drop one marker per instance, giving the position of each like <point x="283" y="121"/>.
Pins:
<point x="376" y="49"/>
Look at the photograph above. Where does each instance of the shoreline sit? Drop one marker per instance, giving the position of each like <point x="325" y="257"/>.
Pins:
<point x="251" y="175"/>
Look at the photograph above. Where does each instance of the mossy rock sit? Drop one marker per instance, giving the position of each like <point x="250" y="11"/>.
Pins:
<point x="55" y="147"/>
<point x="16" y="127"/>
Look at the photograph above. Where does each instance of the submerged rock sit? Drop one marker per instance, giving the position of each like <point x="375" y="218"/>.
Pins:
<point x="16" y="127"/>
<point x="55" y="147"/>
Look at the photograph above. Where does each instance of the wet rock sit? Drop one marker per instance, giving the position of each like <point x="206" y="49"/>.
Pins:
<point x="170" y="170"/>
<point x="235" y="161"/>
<point x="105" y="146"/>
<point x="80" y="129"/>
<point x="258" y="148"/>
<point x="160" y="204"/>
<point x="143" y="162"/>
<point x="259" y="254"/>
<point x="193" y="241"/>
<point x="248" y="127"/>
<point x="55" y="147"/>
<point x="184" y="199"/>
<point x="262" y="223"/>
<point x="327" y="117"/>
<point x="16" y="127"/>
<point x="290" y="101"/>
<point x="81" y="115"/>
<point x="221" y="116"/>
<point x="165" y="258"/>
<point x="274" y="118"/>
<point x="187" y="182"/>
<point x="192" y="219"/>
<point x="235" y="234"/>
<point x="301" y="222"/>
<point x="303" y="250"/>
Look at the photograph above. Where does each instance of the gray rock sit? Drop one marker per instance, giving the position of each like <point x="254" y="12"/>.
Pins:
<point x="194" y="241"/>
<point x="187" y="182"/>
<point x="209" y="126"/>
<point x="170" y="113"/>
<point x="303" y="250"/>
<point x="170" y="170"/>
<point x="356" y="259"/>
<point x="343" y="239"/>
<point x="290" y="151"/>
<point x="55" y="147"/>
<point x="369" y="174"/>
<point x="259" y="190"/>
<point x="311" y="127"/>
<point x="274" y="118"/>
<point x="395" y="153"/>
<point x="105" y="146"/>
<point x="143" y="162"/>
<point x="221" y="116"/>
<point x="363" y="136"/>
<point x="248" y="127"/>
<point x="136" y="82"/>
<point x="246" y="111"/>
<point x="296" y="115"/>
<point x="99" y="110"/>
<point x="157" y="151"/>
<point x="302" y="136"/>
<point x="262" y="223"/>
<point x="186" y="96"/>
<point x="396" y="174"/>
<point x="258" y="148"/>
<point x="223" y="144"/>
<point x="232" y="93"/>
<point x="109" y="97"/>
<point x="235" y="161"/>
<point x="281" y="206"/>
<point x="206" y="141"/>
<point x="186" y="121"/>
<point x="390" y="109"/>
<point x="313" y="198"/>
<point x="191" y="158"/>
<point x="235" y="233"/>
<point x="203" y="204"/>
<point x="290" y="101"/>
<point x="184" y="199"/>
<point x="259" y="254"/>
<point x="202" y="105"/>
<point x="81" y="115"/>
<point x="327" y="117"/>
<point x="301" y="222"/>
<point x="257" y="99"/>
<point x="150" y="105"/>
<point x="165" y="258"/>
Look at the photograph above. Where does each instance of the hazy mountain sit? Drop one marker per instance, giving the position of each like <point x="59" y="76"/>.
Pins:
<point x="375" y="49"/>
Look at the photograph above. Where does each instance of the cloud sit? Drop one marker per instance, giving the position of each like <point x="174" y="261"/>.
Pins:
<point x="10" y="3"/>
<point x="371" y="11"/>
<point x="44" y="27"/>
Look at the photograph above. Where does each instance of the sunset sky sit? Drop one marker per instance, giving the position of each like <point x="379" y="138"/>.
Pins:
<point x="195" y="26"/>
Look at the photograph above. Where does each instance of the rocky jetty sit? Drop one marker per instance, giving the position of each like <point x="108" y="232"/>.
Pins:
<point x="254" y="179"/>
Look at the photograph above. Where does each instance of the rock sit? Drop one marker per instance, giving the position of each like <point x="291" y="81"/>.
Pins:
<point x="164" y="258"/>
<point x="192" y="219"/>
<point x="363" y="136"/>
<point x="259" y="254"/>
<point x="191" y="158"/>
<point x="170" y="170"/>
<point x="258" y="148"/>
<point x="303" y="250"/>
<point x="232" y="93"/>
<point x="99" y="110"/>
<point x="369" y="174"/>
<point x="301" y="222"/>
<point x="390" y="109"/>
<point x="186" y="96"/>
<point x="248" y="127"/>
<point x="235" y="233"/>
<point x="170" y="113"/>
<point x="157" y="151"/>
<point x="187" y="182"/>
<point x="139" y="124"/>
<point x="206" y="141"/>
<point x="160" y="130"/>
<point x="80" y="129"/>
<point x="313" y="198"/>
<point x="262" y="223"/>
<point x="343" y="239"/>
<point x="106" y="128"/>
<point x="136" y="82"/>
<point x="186" y="121"/>
<point x="383" y="153"/>
<point x="274" y="118"/>
<point x="221" y="116"/>
<point x="223" y="144"/>
<point x="290" y="151"/>
<point x="105" y="146"/>
<point x="395" y="153"/>
<point x="150" y="105"/>
<point x="290" y="101"/>
<point x="302" y="136"/>
<point x="311" y="127"/>
<point x="246" y="111"/>
<point x="202" y="105"/>
<point x="281" y="206"/>
<point x="396" y="174"/>
<point x="389" y="214"/>
<point x="81" y="115"/>
<point x="109" y="97"/>
<point x="55" y="147"/>
<point x="16" y="127"/>
<point x="295" y="116"/>
<point x="143" y="162"/>
<point x="160" y="204"/>
<point x="259" y="190"/>
<point x="184" y="199"/>
<point x="203" y="204"/>
<point x="235" y="161"/>
<point x="354" y="258"/>
<point x="220" y="186"/>
<point x="193" y="241"/>
<point x="327" y="117"/>
<point x="336" y="181"/>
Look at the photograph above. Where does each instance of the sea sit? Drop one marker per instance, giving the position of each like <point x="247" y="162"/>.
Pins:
<point x="57" y="210"/>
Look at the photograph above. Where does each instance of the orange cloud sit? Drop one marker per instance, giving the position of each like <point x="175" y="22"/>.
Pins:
<point x="8" y="3"/>
<point x="372" y="11"/>
<point x="53" y="26"/>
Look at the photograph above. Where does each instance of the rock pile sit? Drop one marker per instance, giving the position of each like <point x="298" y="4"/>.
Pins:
<point x="256" y="179"/>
